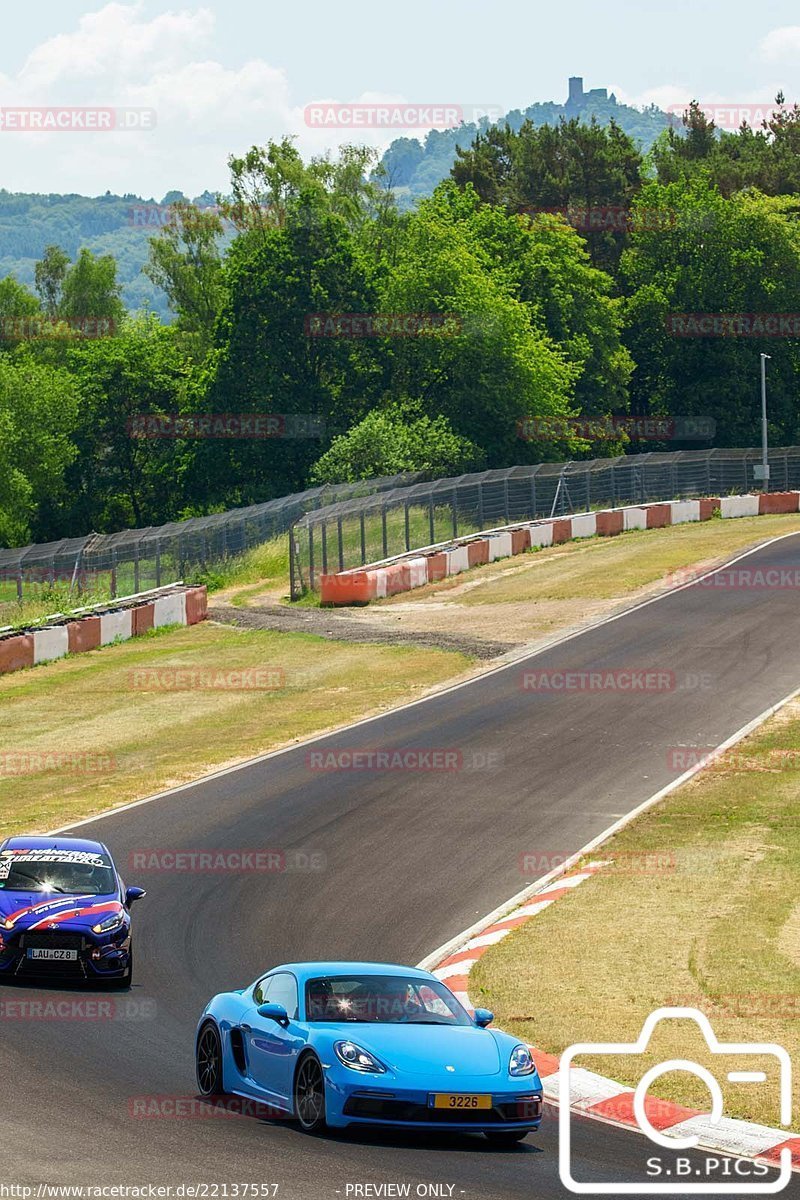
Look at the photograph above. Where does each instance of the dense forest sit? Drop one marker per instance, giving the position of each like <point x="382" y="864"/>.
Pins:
<point x="556" y="285"/>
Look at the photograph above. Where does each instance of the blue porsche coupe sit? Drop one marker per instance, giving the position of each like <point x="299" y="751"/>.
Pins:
<point x="348" y="1043"/>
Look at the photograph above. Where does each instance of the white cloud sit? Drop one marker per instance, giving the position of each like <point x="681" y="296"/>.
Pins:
<point x="782" y="43"/>
<point x="118" y="57"/>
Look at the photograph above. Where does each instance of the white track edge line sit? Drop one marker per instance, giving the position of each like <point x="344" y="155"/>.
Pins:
<point x="319" y="737"/>
<point x="459" y="941"/>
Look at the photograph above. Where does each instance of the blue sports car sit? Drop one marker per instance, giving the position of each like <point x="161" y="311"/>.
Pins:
<point x="349" y="1043"/>
<point x="64" y="912"/>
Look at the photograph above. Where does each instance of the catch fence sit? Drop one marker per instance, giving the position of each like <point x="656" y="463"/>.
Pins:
<point x="350" y="533"/>
<point x="134" y="560"/>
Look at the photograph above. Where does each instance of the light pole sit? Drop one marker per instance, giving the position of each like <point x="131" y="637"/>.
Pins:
<point x="764" y="444"/>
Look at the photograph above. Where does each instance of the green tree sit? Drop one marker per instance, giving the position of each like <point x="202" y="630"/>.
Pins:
<point x="38" y="407"/>
<point x="490" y="362"/>
<point x="90" y="290"/>
<point x="186" y="261"/>
<point x="50" y="273"/>
<point x="124" y="475"/>
<point x="268" y="359"/>
<point x="588" y="168"/>
<point x="716" y="256"/>
<point x="393" y="441"/>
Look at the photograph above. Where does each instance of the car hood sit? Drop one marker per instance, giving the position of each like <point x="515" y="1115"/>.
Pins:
<point x="425" y="1049"/>
<point x="33" y="910"/>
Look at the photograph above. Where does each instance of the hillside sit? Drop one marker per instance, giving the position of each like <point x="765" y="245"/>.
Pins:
<point x="414" y="168"/>
<point x="122" y="225"/>
<point x="117" y="225"/>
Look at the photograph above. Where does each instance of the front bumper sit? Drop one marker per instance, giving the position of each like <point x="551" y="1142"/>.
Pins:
<point x="96" y="957"/>
<point x="382" y="1100"/>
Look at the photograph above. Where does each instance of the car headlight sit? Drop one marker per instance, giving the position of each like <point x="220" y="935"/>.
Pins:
<point x="521" y="1061"/>
<point x="116" y="921"/>
<point x="357" y="1058"/>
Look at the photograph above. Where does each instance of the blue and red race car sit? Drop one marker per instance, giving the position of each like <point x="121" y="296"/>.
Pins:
<point x="64" y="912"/>
<point x="349" y="1043"/>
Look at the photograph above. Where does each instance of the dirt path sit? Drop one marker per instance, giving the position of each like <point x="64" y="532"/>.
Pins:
<point x="344" y="627"/>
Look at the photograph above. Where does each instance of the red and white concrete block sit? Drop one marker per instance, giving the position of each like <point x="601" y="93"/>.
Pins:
<point x="404" y="573"/>
<point x="84" y="632"/>
<point x="595" y="1095"/>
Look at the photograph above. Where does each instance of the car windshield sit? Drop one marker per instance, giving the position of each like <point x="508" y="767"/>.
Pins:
<point x="73" y="872"/>
<point x="383" y="999"/>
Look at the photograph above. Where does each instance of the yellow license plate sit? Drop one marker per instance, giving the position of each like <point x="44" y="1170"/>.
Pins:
<point x="460" y="1101"/>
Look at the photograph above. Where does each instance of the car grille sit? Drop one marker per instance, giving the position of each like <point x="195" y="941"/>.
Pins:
<point x="406" y="1110"/>
<point x="65" y="969"/>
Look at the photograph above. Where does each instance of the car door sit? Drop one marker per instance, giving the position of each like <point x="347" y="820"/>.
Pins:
<point x="272" y="1050"/>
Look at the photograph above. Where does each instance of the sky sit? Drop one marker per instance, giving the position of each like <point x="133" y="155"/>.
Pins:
<point x="200" y="81"/>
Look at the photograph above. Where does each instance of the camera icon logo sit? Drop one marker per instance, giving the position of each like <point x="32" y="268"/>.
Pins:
<point x="679" y="1185"/>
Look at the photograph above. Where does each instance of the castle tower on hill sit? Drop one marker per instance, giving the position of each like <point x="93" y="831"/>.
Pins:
<point x="578" y="98"/>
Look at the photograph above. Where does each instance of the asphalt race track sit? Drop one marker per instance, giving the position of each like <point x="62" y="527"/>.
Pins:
<point x="412" y="858"/>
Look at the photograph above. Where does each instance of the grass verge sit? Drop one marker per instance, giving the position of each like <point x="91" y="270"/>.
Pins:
<point x="700" y="907"/>
<point x="95" y="730"/>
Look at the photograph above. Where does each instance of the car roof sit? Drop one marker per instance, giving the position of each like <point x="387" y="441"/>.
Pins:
<point x="313" y="970"/>
<point x="23" y="842"/>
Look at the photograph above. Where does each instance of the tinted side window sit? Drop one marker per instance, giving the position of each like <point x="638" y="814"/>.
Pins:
<point x="283" y="990"/>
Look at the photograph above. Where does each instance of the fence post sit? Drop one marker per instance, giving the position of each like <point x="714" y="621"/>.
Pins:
<point x="505" y="501"/>
<point x="454" y="513"/>
<point x="136" y="570"/>
<point x="384" y="536"/>
<point x="158" y="562"/>
<point x="588" y="491"/>
<point x="19" y="582"/>
<point x="113" y="574"/>
<point x="294" y="591"/>
<point x="407" y="524"/>
<point x="363" y="540"/>
<point x="324" y="548"/>
<point x="431" y="522"/>
<point x="311" y="557"/>
<point x="341" y="544"/>
<point x="480" y="504"/>
<point x="533" y="494"/>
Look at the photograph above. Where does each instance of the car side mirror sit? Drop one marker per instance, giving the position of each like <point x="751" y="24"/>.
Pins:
<point x="483" y="1017"/>
<point x="132" y="895"/>
<point x="274" y="1012"/>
